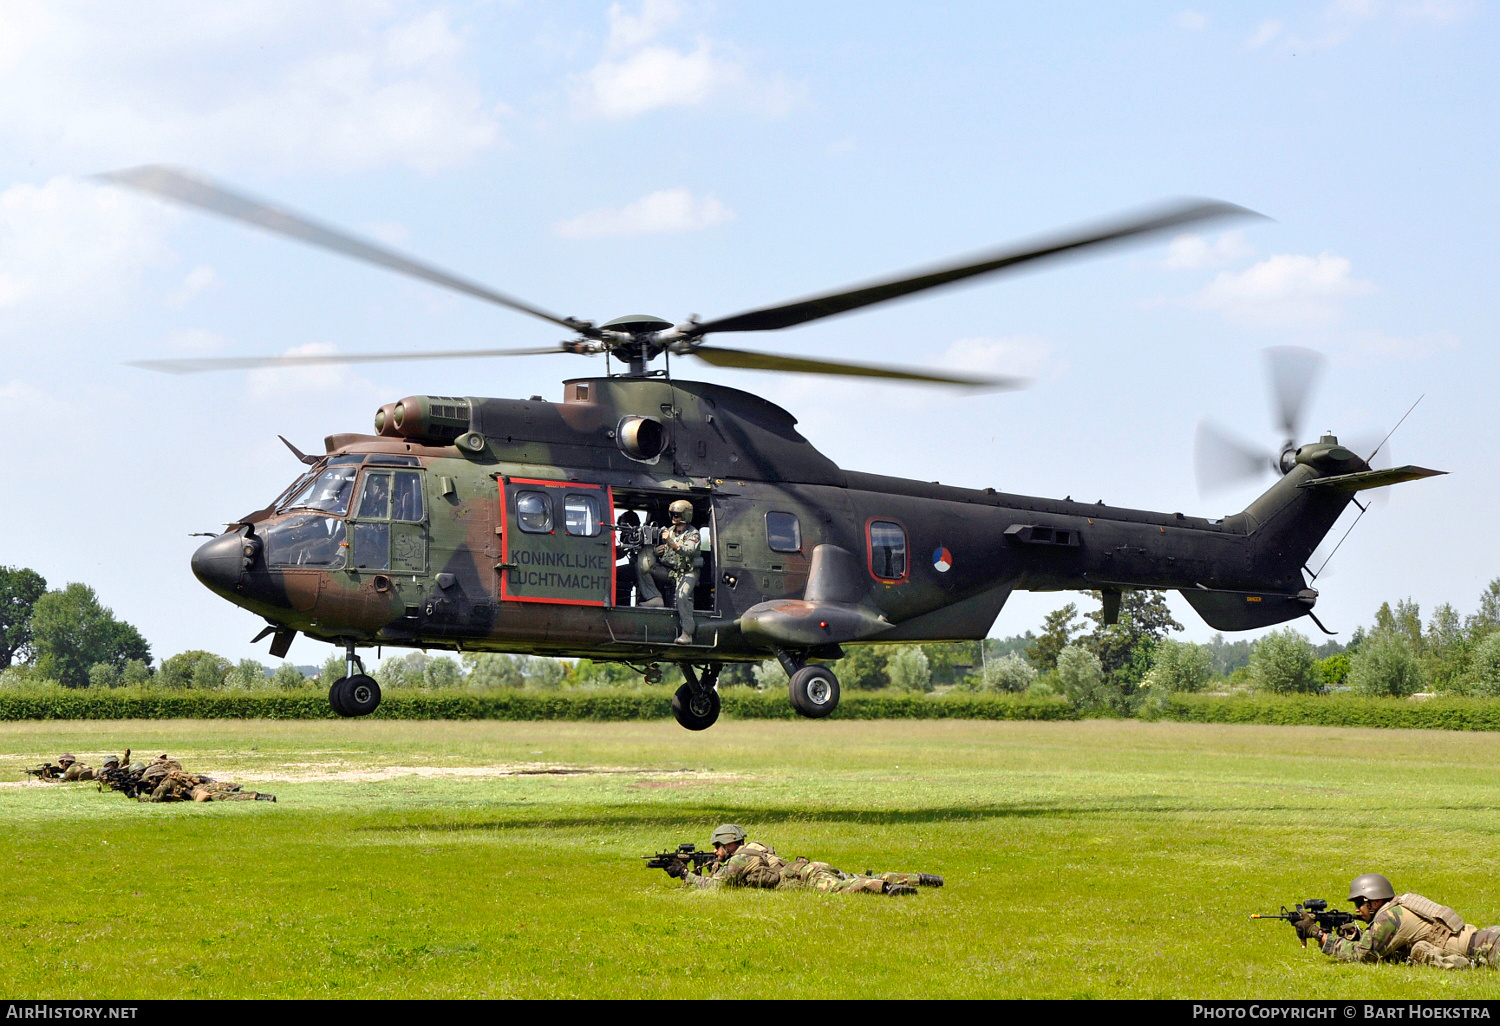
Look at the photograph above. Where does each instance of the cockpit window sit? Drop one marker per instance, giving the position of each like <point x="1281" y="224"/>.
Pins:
<point x="375" y="497"/>
<point x="406" y="498"/>
<point x="305" y="541"/>
<point x="329" y="493"/>
<point x="390" y="495"/>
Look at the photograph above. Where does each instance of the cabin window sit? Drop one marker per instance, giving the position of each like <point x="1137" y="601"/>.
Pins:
<point x="783" y="533"/>
<point x="581" y="515"/>
<point x="887" y="550"/>
<point x="305" y="541"/>
<point x="534" y="512"/>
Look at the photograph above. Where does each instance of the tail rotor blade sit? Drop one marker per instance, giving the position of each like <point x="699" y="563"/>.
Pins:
<point x="1294" y="372"/>
<point x="1222" y="461"/>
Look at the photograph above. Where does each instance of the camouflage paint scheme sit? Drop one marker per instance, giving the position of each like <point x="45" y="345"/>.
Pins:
<point x="456" y="578"/>
<point x="1395" y="931"/>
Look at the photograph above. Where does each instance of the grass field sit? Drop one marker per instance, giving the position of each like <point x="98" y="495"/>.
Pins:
<point x="1098" y="859"/>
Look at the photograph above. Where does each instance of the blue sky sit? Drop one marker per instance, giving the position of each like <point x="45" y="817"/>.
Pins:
<point x="674" y="158"/>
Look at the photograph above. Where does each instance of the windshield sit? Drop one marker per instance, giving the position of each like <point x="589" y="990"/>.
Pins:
<point x="305" y="541"/>
<point x="328" y="492"/>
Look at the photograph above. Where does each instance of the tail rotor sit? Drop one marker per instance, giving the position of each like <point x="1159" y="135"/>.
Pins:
<point x="1223" y="460"/>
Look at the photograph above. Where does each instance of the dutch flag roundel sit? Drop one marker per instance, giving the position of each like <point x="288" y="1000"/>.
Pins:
<point x="942" y="559"/>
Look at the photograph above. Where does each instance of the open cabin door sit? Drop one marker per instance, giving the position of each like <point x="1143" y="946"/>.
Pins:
<point x="556" y="542"/>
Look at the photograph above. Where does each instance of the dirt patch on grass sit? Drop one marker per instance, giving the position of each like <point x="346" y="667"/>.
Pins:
<point x="309" y="772"/>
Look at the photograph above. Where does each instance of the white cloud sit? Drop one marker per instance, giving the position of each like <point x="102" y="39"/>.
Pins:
<point x="71" y="247"/>
<point x="199" y="278"/>
<point x="1193" y="21"/>
<point x="1285" y="290"/>
<point x="1023" y="356"/>
<point x="666" y="210"/>
<point x="296" y="384"/>
<point x="1268" y="31"/>
<point x="1194" y="251"/>
<point x="1339" y="20"/>
<point x="640" y="74"/>
<point x="628" y="30"/>
<point x="267" y="81"/>
<point x="655" y="76"/>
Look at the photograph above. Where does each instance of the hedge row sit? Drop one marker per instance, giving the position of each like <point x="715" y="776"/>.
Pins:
<point x="654" y="704"/>
<point x="1337" y="711"/>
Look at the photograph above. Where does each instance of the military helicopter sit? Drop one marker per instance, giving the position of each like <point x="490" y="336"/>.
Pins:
<point x="522" y="525"/>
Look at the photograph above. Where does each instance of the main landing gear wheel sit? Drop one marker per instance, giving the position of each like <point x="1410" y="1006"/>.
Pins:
<point x="358" y="695"/>
<point x="695" y="709"/>
<point x="814" y="691"/>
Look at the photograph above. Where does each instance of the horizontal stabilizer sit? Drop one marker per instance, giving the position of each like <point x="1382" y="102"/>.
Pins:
<point x="1358" y="482"/>
<point x="1247" y="610"/>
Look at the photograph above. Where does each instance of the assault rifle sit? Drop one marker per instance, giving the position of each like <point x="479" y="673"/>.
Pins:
<point x="46" y="771"/>
<point x="1329" y="920"/>
<point x="684" y="853"/>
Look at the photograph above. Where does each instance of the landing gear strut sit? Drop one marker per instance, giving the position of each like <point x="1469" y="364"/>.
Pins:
<point x="696" y="703"/>
<point x="813" y="689"/>
<point x="354" y="694"/>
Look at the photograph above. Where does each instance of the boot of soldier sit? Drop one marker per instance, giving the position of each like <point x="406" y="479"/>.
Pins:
<point x="898" y="890"/>
<point x="929" y="880"/>
<point x="265" y="797"/>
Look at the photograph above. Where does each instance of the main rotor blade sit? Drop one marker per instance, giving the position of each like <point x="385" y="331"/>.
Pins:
<point x="815" y="307"/>
<point x="1293" y="371"/>
<point x="1221" y="460"/>
<point x="198" y="366"/>
<point x="745" y="360"/>
<point x="189" y="189"/>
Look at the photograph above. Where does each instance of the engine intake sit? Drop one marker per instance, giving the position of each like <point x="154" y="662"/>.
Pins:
<point x="425" y="418"/>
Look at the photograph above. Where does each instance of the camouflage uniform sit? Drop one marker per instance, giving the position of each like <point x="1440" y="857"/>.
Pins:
<point x="757" y="865"/>
<point x="678" y="552"/>
<point x="1412" y="928"/>
<point x="177" y="786"/>
<point x="78" y="771"/>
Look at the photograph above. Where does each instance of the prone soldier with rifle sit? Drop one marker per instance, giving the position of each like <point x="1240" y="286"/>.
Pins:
<point x="736" y="862"/>
<point x="1402" y="928"/>
<point x="67" y="768"/>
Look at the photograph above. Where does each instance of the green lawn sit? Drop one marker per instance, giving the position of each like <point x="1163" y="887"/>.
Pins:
<point x="1088" y="859"/>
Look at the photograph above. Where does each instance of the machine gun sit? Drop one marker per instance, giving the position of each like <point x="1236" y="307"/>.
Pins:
<point x="46" y="771"/>
<point x="637" y="536"/>
<point x="1330" y="920"/>
<point x="684" y="853"/>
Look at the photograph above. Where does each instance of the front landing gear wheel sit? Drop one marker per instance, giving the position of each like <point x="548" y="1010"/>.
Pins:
<point x="814" y="691"/>
<point x="695" y="709"/>
<point x="354" y="696"/>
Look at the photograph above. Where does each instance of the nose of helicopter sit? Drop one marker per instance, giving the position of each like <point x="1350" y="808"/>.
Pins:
<point x="218" y="563"/>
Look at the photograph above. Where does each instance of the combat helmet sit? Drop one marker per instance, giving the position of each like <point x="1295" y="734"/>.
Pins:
<point x="110" y="761"/>
<point x="1372" y="886"/>
<point x="681" y="508"/>
<point x="728" y="833"/>
<point x="66" y="759"/>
